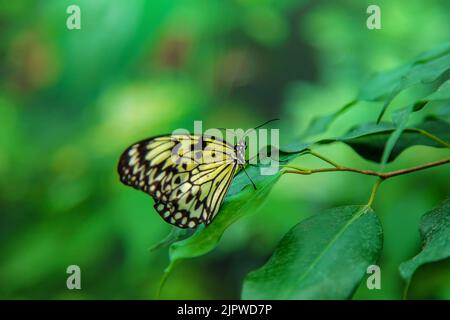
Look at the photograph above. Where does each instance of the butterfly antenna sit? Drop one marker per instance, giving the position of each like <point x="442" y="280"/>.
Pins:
<point x="254" y="185"/>
<point x="224" y="129"/>
<point x="262" y="125"/>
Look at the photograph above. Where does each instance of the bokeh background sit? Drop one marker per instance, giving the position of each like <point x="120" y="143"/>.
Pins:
<point x="71" y="101"/>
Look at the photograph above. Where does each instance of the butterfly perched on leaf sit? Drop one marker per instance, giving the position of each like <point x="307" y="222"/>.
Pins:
<point x="187" y="175"/>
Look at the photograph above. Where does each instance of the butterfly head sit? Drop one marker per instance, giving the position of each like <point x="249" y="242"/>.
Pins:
<point x="241" y="146"/>
<point x="240" y="151"/>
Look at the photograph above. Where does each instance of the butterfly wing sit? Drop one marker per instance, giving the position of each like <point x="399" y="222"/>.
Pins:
<point x="188" y="176"/>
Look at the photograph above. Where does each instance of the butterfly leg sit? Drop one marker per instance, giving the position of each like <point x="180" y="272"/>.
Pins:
<point x="254" y="185"/>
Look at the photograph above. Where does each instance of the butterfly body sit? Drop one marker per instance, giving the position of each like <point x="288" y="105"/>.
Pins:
<point x="188" y="176"/>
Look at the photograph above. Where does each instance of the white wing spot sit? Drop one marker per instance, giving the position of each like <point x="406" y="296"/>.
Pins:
<point x="178" y="215"/>
<point x="132" y="151"/>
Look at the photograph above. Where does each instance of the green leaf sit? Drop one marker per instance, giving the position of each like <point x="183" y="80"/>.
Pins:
<point x="291" y="150"/>
<point x="428" y="71"/>
<point x="384" y="86"/>
<point x="435" y="232"/>
<point x="174" y="235"/>
<point x="323" y="257"/>
<point x="381" y="85"/>
<point x="241" y="200"/>
<point x="369" y="140"/>
<point x="400" y="118"/>
<point x="426" y="68"/>
<point x="320" y="124"/>
<point x="421" y="72"/>
<point x="444" y="111"/>
<point x="442" y="93"/>
<point x="433" y="53"/>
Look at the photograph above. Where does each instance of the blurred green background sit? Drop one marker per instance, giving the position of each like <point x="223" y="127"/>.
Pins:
<point x="72" y="100"/>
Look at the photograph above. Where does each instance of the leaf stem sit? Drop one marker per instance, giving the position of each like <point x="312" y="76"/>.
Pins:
<point x="164" y="278"/>
<point x="406" y="289"/>
<point x="382" y="175"/>
<point x="374" y="192"/>
<point x="431" y="136"/>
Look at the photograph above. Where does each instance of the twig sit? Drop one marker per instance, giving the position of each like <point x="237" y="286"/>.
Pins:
<point x="382" y="175"/>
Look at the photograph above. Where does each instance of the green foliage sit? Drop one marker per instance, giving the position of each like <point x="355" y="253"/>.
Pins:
<point x="240" y="201"/>
<point x="323" y="257"/>
<point x="235" y="206"/>
<point x="385" y="86"/>
<point x="428" y="67"/>
<point x="442" y="93"/>
<point x="435" y="232"/>
<point x="369" y="140"/>
<point x="326" y="256"/>
<point x="72" y="100"/>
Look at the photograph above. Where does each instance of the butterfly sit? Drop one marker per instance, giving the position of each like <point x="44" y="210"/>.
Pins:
<point x="187" y="175"/>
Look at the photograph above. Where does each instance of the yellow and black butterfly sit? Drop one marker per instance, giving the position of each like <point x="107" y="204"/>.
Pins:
<point x="187" y="175"/>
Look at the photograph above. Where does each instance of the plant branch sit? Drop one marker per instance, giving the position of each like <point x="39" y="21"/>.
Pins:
<point x="382" y="175"/>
